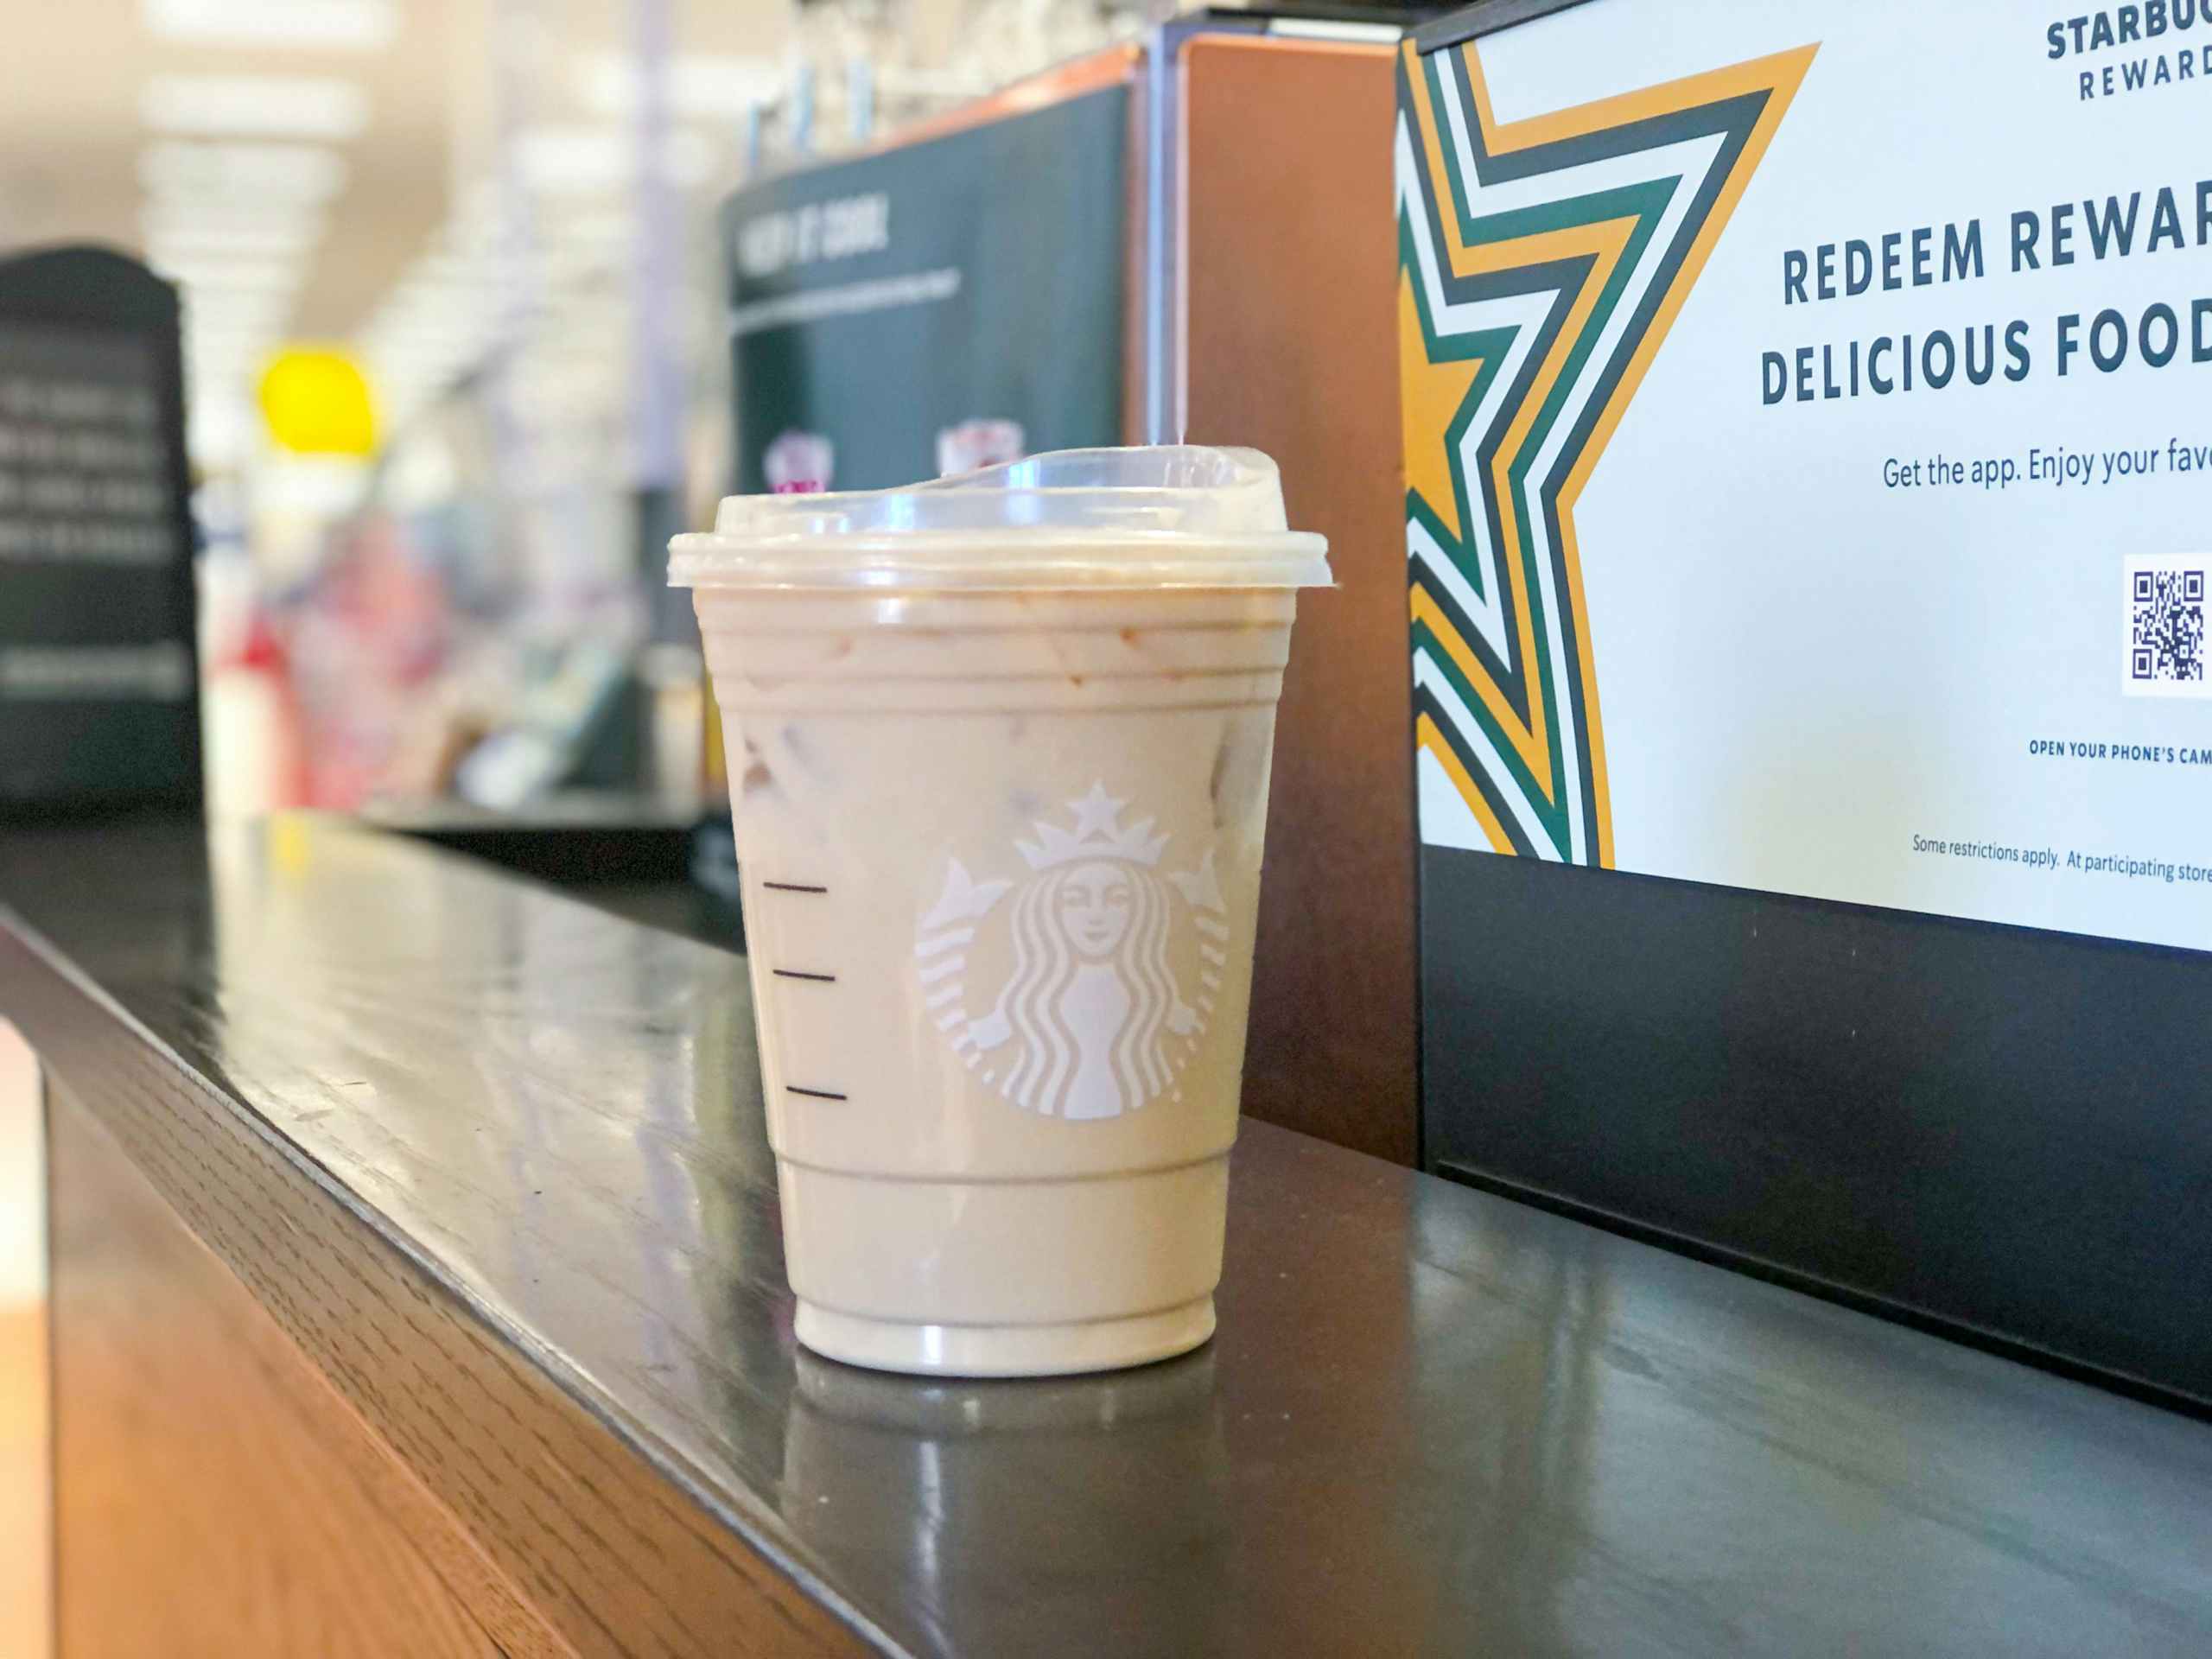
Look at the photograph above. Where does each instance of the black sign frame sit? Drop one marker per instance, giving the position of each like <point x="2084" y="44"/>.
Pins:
<point x="99" y="288"/>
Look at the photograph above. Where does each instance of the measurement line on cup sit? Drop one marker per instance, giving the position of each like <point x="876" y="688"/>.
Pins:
<point x="812" y="1094"/>
<point x="794" y="973"/>
<point x="792" y="886"/>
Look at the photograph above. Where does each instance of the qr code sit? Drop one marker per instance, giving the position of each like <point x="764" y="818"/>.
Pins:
<point x="2165" y="627"/>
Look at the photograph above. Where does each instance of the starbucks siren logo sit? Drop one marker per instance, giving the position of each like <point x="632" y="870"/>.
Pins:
<point x="1091" y="1020"/>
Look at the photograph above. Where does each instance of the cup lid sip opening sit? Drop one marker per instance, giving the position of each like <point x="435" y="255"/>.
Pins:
<point x="1176" y="515"/>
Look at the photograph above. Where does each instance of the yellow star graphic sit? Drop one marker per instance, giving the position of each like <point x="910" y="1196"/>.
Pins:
<point x="1429" y="399"/>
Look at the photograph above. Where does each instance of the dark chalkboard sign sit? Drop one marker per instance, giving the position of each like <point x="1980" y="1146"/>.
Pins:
<point x="932" y="307"/>
<point x="99" y="683"/>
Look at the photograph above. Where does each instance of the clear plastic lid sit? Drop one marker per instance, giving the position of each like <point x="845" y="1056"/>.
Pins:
<point x="1178" y="516"/>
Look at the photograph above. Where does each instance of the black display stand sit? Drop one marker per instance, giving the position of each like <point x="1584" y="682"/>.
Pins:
<point x="99" y="668"/>
<point x="1997" y="1132"/>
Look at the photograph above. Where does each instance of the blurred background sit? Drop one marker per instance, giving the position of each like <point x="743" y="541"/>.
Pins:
<point x="453" y="337"/>
<point x="455" y="364"/>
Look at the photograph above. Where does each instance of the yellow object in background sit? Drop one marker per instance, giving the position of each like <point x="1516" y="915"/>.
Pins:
<point x="316" y="403"/>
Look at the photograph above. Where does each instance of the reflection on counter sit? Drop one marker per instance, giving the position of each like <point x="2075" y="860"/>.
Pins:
<point x="1010" y="1506"/>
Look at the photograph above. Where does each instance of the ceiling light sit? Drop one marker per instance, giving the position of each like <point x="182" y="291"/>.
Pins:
<point x="212" y="318"/>
<point x="229" y="222"/>
<point x="220" y="352"/>
<point x="169" y="243"/>
<point x="608" y="226"/>
<point x="169" y="239"/>
<point x="559" y="160"/>
<point x="331" y="25"/>
<point x="700" y="86"/>
<point x="203" y="305"/>
<point x="299" y="173"/>
<point x="251" y="266"/>
<point x="238" y="344"/>
<point x="429" y="309"/>
<point x="280" y="106"/>
<point x="413" y="344"/>
<point x="233" y="370"/>
<point x="442" y="269"/>
<point x="238" y="365"/>
<point x="217" y="276"/>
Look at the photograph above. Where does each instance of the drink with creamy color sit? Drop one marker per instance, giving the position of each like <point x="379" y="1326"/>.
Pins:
<point x="998" y="755"/>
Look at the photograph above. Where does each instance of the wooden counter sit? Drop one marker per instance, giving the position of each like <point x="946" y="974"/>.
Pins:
<point x="417" y="1289"/>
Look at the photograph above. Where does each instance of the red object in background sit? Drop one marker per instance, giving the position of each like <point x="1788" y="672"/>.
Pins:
<point x="254" y="734"/>
<point x="367" y="640"/>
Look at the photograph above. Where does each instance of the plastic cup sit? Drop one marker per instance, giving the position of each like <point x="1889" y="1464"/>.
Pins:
<point x="998" y="751"/>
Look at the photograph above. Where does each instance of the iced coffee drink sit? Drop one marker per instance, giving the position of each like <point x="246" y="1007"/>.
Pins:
<point x="998" y="755"/>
